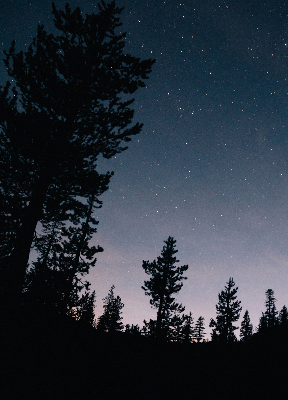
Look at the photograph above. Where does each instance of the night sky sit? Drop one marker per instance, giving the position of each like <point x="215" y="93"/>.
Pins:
<point x="210" y="165"/>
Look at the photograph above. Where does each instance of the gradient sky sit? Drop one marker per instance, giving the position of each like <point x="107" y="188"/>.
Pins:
<point x="210" y="166"/>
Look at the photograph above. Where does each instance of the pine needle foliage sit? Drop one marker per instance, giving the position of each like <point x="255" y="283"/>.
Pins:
<point x="164" y="283"/>
<point x="68" y="101"/>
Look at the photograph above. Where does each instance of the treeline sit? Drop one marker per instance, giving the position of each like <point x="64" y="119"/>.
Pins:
<point x="172" y="324"/>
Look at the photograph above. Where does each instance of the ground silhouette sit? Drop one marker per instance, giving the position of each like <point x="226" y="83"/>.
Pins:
<point x="46" y="356"/>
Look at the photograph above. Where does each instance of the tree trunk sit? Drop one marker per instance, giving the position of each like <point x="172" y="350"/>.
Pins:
<point x="159" y="319"/>
<point x="161" y="304"/>
<point x="20" y="254"/>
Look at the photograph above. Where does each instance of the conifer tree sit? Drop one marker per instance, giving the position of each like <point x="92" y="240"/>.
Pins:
<point x="133" y="330"/>
<point x="178" y="328"/>
<point x="228" y="311"/>
<point x="283" y="317"/>
<point x="187" y="331"/>
<point x="65" y="256"/>
<point x="83" y="308"/>
<point x="262" y="323"/>
<point x="199" y="329"/>
<point x="246" y="327"/>
<point x="269" y="318"/>
<point x="164" y="283"/>
<point x="110" y="320"/>
<point x="149" y="328"/>
<point x="270" y="313"/>
<point x="68" y="104"/>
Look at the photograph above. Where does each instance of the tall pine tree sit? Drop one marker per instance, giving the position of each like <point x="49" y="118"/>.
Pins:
<point x="270" y="317"/>
<point x="165" y="281"/>
<point x="246" y="327"/>
<point x="283" y="317"/>
<point x="270" y="313"/>
<point x="68" y="101"/>
<point x="228" y="311"/>
<point x="199" y="329"/>
<point x="110" y="320"/>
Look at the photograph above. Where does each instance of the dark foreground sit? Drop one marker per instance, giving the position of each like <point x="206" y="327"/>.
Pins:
<point x="48" y="358"/>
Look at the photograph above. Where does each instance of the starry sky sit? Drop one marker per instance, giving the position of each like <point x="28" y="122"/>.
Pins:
<point x="210" y="165"/>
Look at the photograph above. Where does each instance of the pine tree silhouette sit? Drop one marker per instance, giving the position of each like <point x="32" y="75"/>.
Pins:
<point x="110" y="320"/>
<point x="246" y="327"/>
<point x="199" y="329"/>
<point x="67" y="103"/>
<point x="164" y="283"/>
<point x="228" y="311"/>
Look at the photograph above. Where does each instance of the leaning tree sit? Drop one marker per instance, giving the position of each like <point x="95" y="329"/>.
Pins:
<point x="67" y="102"/>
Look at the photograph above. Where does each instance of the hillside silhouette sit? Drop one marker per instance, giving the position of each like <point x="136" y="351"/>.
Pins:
<point x="50" y="357"/>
